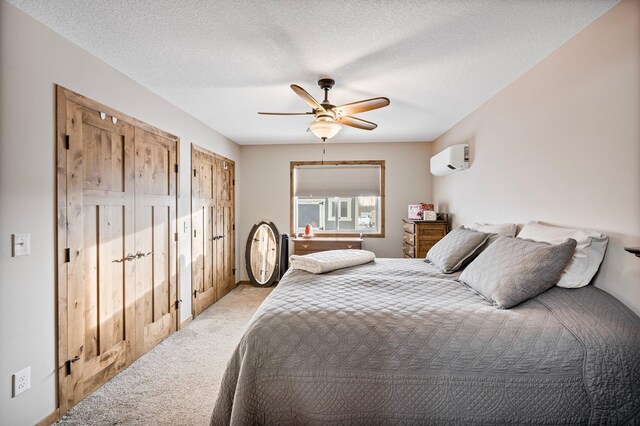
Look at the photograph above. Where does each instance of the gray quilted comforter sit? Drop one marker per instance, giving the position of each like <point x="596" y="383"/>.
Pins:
<point x="395" y="342"/>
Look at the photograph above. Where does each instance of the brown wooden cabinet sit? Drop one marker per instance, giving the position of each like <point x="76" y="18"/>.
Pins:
<point x="420" y="235"/>
<point x="313" y="245"/>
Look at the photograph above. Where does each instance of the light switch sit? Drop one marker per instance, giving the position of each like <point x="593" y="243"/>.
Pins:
<point x="21" y="244"/>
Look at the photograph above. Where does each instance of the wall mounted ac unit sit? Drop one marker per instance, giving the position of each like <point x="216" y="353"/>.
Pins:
<point x="452" y="159"/>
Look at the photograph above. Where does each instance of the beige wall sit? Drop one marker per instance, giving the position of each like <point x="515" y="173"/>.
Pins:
<point x="561" y="144"/>
<point x="265" y="185"/>
<point x="33" y="59"/>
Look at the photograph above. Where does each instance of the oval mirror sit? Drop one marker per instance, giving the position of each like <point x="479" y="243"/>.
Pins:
<point x="262" y="254"/>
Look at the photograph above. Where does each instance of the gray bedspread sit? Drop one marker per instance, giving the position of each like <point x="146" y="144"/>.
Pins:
<point x="395" y="342"/>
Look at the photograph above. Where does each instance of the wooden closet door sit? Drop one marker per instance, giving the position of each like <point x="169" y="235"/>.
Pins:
<point x="99" y="301"/>
<point x="155" y="200"/>
<point x="225" y="245"/>
<point x="204" y="234"/>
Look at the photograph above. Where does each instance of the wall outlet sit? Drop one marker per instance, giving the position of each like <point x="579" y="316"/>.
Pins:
<point x="21" y="381"/>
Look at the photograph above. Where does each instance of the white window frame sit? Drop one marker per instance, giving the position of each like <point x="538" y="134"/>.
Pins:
<point x="355" y="223"/>
<point x="332" y="209"/>
<point x="321" y="207"/>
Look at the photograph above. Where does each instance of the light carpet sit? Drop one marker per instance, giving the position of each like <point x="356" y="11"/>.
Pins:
<point x="175" y="383"/>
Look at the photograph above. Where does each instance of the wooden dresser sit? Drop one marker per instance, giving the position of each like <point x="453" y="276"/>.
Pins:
<point x="420" y="235"/>
<point x="316" y="244"/>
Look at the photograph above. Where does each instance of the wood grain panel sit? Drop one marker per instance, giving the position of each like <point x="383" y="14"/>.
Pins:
<point x="156" y="216"/>
<point x="420" y="236"/>
<point x="99" y="230"/>
<point x="213" y="245"/>
<point x="101" y="220"/>
<point x="91" y="281"/>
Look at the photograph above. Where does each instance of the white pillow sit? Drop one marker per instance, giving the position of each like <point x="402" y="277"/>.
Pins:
<point x="588" y="255"/>
<point x="504" y="229"/>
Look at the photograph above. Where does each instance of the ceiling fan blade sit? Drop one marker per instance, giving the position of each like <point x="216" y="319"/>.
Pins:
<point x="356" y="122"/>
<point x="308" y="98"/>
<point x="286" y="113"/>
<point x="362" y="106"/>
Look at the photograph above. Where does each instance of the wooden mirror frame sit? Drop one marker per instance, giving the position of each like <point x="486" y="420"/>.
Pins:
<point x="276" y="269"/>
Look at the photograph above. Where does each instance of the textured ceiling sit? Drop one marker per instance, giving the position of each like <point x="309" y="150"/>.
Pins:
<point x="222" y="61"/>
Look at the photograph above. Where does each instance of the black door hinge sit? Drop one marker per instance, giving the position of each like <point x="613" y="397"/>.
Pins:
<point x="195" y="233"/>
<point x="70" y="364"/>
<point x="67" y="255"/>
<point x="234" y="271"/>
<point x="194" y="172"/>
<point x="178" y="302"/>
<point x="234" y="226"/>
<point x="175" y="236"/>
<point x="233" y="182"/>
<point x="66" y="141"/>
<point x="176" y="167"/>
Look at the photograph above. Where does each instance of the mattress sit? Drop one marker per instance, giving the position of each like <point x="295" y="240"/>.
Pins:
<point x="395" y="341"/>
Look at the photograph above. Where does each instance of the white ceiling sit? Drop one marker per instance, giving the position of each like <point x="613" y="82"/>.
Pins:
<point x="222" y="61"/>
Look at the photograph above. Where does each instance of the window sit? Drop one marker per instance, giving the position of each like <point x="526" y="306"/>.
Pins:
<point x="339" y="198"/>
<point x="344" y="209"/>
<point x="311" y="210"/>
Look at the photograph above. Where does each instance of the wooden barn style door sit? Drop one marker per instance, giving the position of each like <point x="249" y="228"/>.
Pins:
<point x="213" y="227"/>
<point x="117" y="283"/>
<point x="156" y="278"/>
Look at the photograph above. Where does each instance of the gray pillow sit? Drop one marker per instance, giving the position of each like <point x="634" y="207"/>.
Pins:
<point x="512" y="270"/>
<point x="450" y="252"/>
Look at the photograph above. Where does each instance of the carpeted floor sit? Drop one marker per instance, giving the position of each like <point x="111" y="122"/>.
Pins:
<point x="176" y="382"/>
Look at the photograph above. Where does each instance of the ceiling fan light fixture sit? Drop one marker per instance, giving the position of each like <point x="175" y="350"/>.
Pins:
<point x="325" y="128"/>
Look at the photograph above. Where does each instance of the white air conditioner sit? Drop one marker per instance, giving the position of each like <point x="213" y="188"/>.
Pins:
<point x="452" y="159"/>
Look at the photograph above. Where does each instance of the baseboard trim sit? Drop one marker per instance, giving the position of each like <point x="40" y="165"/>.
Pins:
<point x="50" y="419"/>
<point x="186" y="322"/>
<point x="243" y="283"/>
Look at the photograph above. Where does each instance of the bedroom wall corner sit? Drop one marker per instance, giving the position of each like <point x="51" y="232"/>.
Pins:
<point x="561" y="144"/>
<point x="264" y="181"/>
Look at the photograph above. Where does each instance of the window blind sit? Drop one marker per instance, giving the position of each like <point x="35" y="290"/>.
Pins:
<point x="337" y="181"/>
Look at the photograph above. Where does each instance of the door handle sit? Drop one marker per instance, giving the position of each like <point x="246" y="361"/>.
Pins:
<point x="139" y="254"/>
<point x="128" y="258"/>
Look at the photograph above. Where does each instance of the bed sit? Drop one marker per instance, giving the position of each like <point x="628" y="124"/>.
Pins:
<point x="395" y="341"/>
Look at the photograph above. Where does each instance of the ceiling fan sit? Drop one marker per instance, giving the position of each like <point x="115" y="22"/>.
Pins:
<point x="330" y="118"/>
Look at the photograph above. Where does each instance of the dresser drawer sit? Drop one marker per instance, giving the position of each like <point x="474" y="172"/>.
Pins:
<point x="432" y="232"/>
<point x="302" y="247"/>
<point x="409" y="238"/>
<point x="408" y="250"/>
<point x="424" y="248"/>
<point x="409" y="227"/>
<point x="302" y="252"/>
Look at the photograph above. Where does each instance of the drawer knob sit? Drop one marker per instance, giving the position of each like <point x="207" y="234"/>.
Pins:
<point x="349" y="246"/>
<point x="305" y="246"/>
